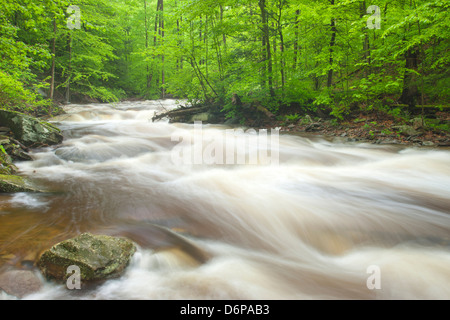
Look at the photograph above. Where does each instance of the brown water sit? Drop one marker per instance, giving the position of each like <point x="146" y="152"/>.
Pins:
<point x="310" y="226"/>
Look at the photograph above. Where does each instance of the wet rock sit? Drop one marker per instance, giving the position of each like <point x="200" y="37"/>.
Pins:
<point x="6" y="165"/>
<point x="30" y="131"/>
<point x="14" y="148"/>
<point x="99" y="257"/>
<point x="12" y="184"/>
<point x="19" y="283"/>
<point x="428" y="143"/>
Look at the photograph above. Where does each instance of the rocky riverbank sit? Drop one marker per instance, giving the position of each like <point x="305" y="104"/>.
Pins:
<point x="19" y="133"/>
<point x="376" y="129"/>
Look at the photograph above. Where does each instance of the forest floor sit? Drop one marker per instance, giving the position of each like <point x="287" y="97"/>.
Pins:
<point x="377" y="128"/>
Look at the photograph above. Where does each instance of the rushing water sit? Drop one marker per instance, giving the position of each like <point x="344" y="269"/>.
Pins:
<point x="328" y="221"/>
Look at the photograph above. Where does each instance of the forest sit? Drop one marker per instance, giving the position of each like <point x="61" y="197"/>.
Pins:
<point x="333" y="58"/>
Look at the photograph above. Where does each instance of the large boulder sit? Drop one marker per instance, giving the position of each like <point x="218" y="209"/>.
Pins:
<point x="30" y="131"/>
<point x="99" y="257"/>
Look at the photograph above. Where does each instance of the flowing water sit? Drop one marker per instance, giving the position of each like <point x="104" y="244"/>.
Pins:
<point x="327" y="220"/>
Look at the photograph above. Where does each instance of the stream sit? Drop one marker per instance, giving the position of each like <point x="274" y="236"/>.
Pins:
<point x="222" y="213"/>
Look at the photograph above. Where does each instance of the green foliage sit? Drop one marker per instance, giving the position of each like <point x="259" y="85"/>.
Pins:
<point x="292" y="117"/>
<point x="386" y="132"/>
<point x="437" y="126"/>
<point x="13" y="94"/>
<point x="101" y="93"/>
<point x="318" y="55"/>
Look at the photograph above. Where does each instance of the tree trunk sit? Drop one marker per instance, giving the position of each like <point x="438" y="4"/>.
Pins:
<point x="266" y="41"/>
<point x="179" y="66"/>
<point x="206" y="45"/>
<point x="52" y="81"/>
<point x="332" y="43"/>
<point x="410" y="90"/>
<point x="163" y="73"/>
<point x="224" y="37"/>
<point x="296" y="46"/>
<point x="146" y="45"/>
<point x="217" y="44"/>
<point x="69" y="74"/>
<point x="366" y="45"/>
<point x="280" y="33"/>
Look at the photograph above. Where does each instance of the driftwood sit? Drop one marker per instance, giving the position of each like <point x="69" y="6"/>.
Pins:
<point x="248" y="111"/>
<point x="181" y="112"/>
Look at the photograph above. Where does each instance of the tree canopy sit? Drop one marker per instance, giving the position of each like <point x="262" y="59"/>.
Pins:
<point x="328" y="55"/>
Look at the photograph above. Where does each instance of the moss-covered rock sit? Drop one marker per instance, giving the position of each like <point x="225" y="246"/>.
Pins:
<point x="407" y="130"/>
<point x="6" y="164"/>
<point x="12" y="184"/>
<point x="13" y="149"/>
<point x="30" y="131"/>
<point x="99" y="257"/>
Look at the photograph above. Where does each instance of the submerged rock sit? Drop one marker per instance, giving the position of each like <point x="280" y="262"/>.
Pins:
<point x="99" y="257"/>
<point x="19" y="283"/>
<point x="30" y="131"/>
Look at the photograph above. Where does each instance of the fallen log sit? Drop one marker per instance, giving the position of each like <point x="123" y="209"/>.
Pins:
<point x="181" y="112"/>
